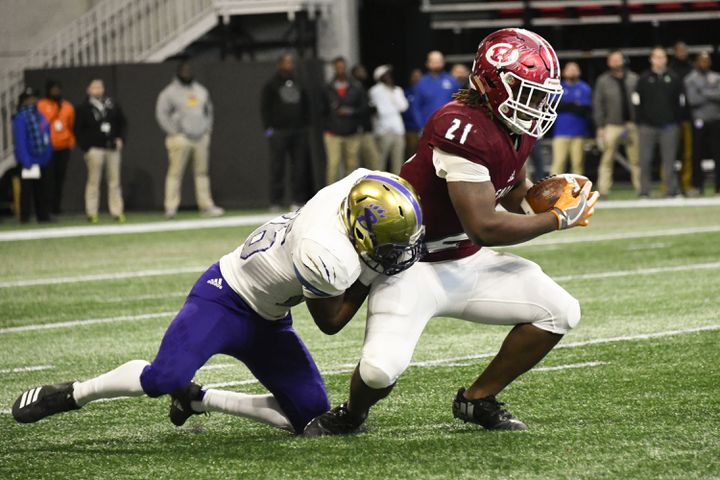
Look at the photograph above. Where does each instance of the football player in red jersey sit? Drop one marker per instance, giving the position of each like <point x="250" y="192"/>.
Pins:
<point x="471" y="157"/>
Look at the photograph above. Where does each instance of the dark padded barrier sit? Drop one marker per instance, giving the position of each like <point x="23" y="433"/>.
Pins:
<point x="239" y="153"/>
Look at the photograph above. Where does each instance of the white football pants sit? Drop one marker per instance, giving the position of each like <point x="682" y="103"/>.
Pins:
<point x="487" y="287"/>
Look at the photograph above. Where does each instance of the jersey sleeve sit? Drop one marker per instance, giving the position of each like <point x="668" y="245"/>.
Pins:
<point x="459" y="134"/>
<point x="325" y="271"/>
<point x="458" y="169"/>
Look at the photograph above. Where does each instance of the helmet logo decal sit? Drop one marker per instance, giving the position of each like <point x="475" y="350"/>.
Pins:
<point x="502" y="54"/>
<point x="371" y="216"/>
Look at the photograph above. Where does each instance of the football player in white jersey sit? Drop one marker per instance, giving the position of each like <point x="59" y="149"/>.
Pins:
<point x="327" y="253"/>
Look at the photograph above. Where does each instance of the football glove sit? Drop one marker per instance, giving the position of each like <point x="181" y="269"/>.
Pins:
<point x="573" y="209"/>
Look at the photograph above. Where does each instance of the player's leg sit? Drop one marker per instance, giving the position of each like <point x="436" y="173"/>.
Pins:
<point x="632" y="149"/>
<point x="607" y="161"/>
<point x="560" y="147"/>
<point x="399" y="308"/>
<point x="94" y="162"/>
<point x="197" y="332"/>
<point x="333" y="151"/>
<point x="668" y="138"/>
<point x="508" y="290"/>
<point x="278" y="358"/>
<point x="577" y="155"/>
<point x="114" y="184"/>
<point x="201" y="160"/>
<point x="648" y="137"/>
<point x="397" y="154"/>
<point x="178" y="149"/>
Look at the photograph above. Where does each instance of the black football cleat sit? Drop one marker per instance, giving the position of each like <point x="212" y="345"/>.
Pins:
<point x="486" y="412"/>
<point x="338" y="421"/>
<point x="180" y="409"/>
<point x="38" y="403"/>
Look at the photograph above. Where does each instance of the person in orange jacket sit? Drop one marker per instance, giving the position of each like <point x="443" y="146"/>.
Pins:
<point x="60" y="115"/>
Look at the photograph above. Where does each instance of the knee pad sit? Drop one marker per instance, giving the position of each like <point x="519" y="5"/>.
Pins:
<point x="157" y="381"/>
<point x="561" y="319"/>
<point x="375" y="376"/>
<point x="569" y="317"/>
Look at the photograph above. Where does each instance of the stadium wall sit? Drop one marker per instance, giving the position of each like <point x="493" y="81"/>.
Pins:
<point x="239" y="156"/>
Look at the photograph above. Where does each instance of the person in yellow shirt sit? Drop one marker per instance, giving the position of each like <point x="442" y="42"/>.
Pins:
<point x="60" y="115"/>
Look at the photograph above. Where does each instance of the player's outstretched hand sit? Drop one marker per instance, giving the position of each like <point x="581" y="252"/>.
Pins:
<point x="573" y="209"/>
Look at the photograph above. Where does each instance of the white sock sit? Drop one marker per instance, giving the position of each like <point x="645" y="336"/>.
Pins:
<point x="263" y="408"/>
<point x="124" y="381"/>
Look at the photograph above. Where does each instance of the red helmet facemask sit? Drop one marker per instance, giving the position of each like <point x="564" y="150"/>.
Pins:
<point x="518" y="72"/>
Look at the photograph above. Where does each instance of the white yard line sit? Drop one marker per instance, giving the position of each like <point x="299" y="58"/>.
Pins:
<point x="559" y="239"/>
<point x="660" y="203"/>
<point x="249" y="220"/>
<point x="568" y="366"/>
<point x="562" y="278"/>
<point x="26" y="282"/>
<point x="639" y="271"/>
<point x="441" y="361"/>
<point x="149" y="227"/>
<point x="89" y="321"/>
<point x="98" y="277"/>
<point x="34" y="368"/>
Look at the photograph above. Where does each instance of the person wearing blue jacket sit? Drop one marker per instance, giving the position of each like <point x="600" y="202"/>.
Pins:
<point x="572" y="126"/>
<point x="410" y="116"/>
<point x="31" y="138"/>
<point x="435" y="88"/>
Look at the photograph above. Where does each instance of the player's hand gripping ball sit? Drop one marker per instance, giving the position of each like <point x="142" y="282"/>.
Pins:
<point x="568" y="196"/>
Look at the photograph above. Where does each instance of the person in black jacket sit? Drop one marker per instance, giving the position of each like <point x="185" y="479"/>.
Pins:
<point x="658" y="101"/>
<point x="345" y="106"/>
<point x="100" y="128"/>
<point x="286" y="115"/>
<point x="369" y="153"/>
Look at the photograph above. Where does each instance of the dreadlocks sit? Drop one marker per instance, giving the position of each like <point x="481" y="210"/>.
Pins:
<point x="472" y="98"/>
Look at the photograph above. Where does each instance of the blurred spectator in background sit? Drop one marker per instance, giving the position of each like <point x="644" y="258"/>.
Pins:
<point x="369" y="153"/>
<point x="658" y="101"/>
<point x="461" y="74"/>
<point x="60" y="115"/>
<point x="702" y="87"/>
<point x="410" y="116"/>
<point x="614" y="117"/>
<point x="185" y="112"/>
<point x="345" y="104"/>
<point x="285" y="115"/>
<point x="680" y="64"/>
<point x="31" y="139"/>
<point x="100" y="129"/>
<point x="435" y="88"/>
<point x="572" y="126"/>
<point x="390" y="103"/>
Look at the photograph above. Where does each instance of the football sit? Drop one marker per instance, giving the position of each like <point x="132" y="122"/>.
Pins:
<point x="542" y="195"/>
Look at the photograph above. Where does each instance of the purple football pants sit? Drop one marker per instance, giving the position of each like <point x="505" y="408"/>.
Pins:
<point x="217" y="320"/>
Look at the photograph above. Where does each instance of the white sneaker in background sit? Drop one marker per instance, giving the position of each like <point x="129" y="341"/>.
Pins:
<point x="213" y="211"/>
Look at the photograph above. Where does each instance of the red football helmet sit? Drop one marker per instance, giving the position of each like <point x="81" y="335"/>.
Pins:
<point x="518" y="72"/>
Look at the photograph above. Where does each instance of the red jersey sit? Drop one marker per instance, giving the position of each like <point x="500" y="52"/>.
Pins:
<point x="470" y="133"/>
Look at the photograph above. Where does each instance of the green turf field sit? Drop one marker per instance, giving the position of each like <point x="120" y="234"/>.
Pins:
<point x="633" y="392"/>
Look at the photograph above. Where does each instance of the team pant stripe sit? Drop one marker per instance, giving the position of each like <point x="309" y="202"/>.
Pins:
<point x="37" y="392"/>
<point x="24" y="397"/>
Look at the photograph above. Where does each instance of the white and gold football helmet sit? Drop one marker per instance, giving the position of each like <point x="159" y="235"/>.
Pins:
<point x="383" y="216"/>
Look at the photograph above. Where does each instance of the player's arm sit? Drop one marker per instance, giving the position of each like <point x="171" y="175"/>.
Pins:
<point x="474" y="203"/>
<point x="512" y="200"/>
<point x="332" y="314"/>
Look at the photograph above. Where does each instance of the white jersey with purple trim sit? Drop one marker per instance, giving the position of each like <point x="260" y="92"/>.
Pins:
<point x="301" y="254"/>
